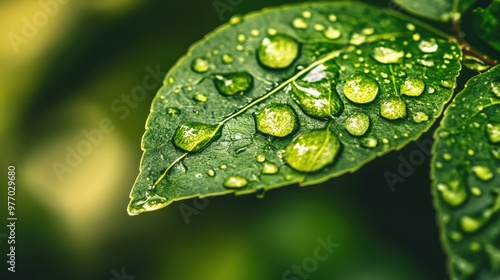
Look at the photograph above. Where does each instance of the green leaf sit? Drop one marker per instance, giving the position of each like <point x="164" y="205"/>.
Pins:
<point x="440" y="10"/>
<point x="466" y="179"/>
<point x="297" y="94"/>
<point x="487" y="24"/>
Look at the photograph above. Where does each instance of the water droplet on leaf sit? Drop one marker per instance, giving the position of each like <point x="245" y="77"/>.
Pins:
<point x="357" y="124"/>
<point x="270" y="168"/>
<point x="393" y="109"/>
<point x="194" y="136"/>
<point x="313" y="150"/>
<point x="261" y="158"/>
<point x="235" y="182"/>
<point x="278" y="120"/>
<point x="428" y="46"/>
<point x="360" y="88"/>
<point x="200" y="65"/>
<point x="278" y="51"/>
<point x="420" y="117"/>
<point x="453" y="193"/>
<point x="332" y="33"/>
<point x="200" y="97"/>
<point x="369" y="142"/>
<point x="211" y="173"/>
<point x="227" y="58"/>
<point x="387" y="55"/>
<point x="483" y="172"/>
<point x="318" y="100"/>
<point x="493" y="132"/>
<point x="233" y="83"/>
<point x="412" y="86"/>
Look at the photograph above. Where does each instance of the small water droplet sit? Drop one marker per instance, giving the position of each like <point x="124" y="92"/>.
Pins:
<point x="446" y="84"/>
<point x="233" y="83"/>
<point x="426" y="62"/>
<point x="410" y="27"/>
<point x="255" y="32"/>
<point x="318" y="99"/>
<point x="319" y="27"/>
<point x="200" y="65"/>
<point x="471" y="152"/>
<point x="476" y="191"/>
<point x="332" y="18"/>
<point x="387" y="55"/>
<point x="270" y="168"/>
<point x="278" y="51"/>
<point x="360" y="88"/>
<point x="227" y="58"/>
<point x="357" y="124"/>
<point x="493" y="132"/>
<point x="313" y="150"/>
<point x="235" y="182"/>
<point x="357" y="39"/>
<point x="307" y="14"/>
<point x="369" y="142"/>
<point x="483" y="172"/>
<point x="412" y="86"/>
<point x="172" y="111"/>
<point x="415" y="37"/>
<point x="235" y="20"/>
<point x="332" y="33"/>
<point x="393" y="108"/>
<point x="211" y="173"/>
<point x="420" y="117"/>
<point x="194" y="136"/>
<point x="200" y="97"/>
<point x="464" y="267"/>
<point x="428" y="46"/>
<point x="300" y="23"/>
<point x="495" y="88"/>
<point x="453" y="193"/>
<point x="242" y="38"/>
<point x="260" y="158"/>
<point x="439" y="165"/>
<point x="368" y="30"/>
<point x="171" y="80"/>
<point x="223" y="167"/>
<point x="455" y="236"/>
<point x="447" y="157"/>
<point x="385" y="141"/>
<point x="277" y="119"/>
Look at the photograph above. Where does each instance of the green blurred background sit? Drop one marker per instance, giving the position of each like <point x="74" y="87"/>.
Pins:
<point x="65" y="79"/>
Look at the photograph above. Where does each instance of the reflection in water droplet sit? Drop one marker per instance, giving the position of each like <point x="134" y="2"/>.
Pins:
<point x="428" y="46"/>
<point x="483" y="172"/>
<point x="235" y="182"/>
<point x="278" y="51"/>
<point x="493" y="132"/>
<point x="332" y="33"/>
<point x="278" y="120"/>
<point x="194" y="136"/>
<point x="233" y="83"/>
<point x="313" y="150"/>
<point x="387" y="55"/>
<point x="200" y="97"/>
<point x="270" y="168"/>
<point x="172" y="111"/>
<point x="360" y="88"/>
<point x="412" y="86"/>
<point x="211" y="173"/>
<point x="369" y="142"/>
<point x="200" y="65"/>
<point x="453" y="194"/>
<point x="261" y="158"/>
<point x="227" y="58"/>
<point x="393" y="108"/>
<point x="318" y="100"/>
<point x="300" y="23"/>
<point x="357" y="124"/>
<point x="420" y="117"/>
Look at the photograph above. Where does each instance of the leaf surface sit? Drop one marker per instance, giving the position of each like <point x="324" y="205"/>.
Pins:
<point x="487" y="24"/>
<point x="296" y="94"/>
<point x="466" y="179"/>
<point x="439" y="10"/>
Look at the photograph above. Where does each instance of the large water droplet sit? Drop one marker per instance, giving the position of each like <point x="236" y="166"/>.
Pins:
<point x="393" y="108"/>
<point x="483" y="172"/>
<point x="453" y="193"/>
<point x="200" y="65"/>
<point x="493" y="132"/>
<point x="420" y="117"/>
<point x="428" y="46"/>
<point x="278" y="51"/>
<point x="300" y="23"/>
<point x="360" y="88"/>
<point x="278" y="120"/>
<point x="313" y="150"/>
<point x="357" y="124"/>
<point x="194" y="136"/>
<point x="235" y="182"/>
<point x="387" y="55"/>
<point x="233" y="83"/>
<point x="412" y="86"/>
<point x="318" y="100"/>
<point x="270" y="168"/>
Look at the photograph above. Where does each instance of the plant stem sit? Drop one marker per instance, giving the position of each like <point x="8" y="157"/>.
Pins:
<point x="467" y="48"/>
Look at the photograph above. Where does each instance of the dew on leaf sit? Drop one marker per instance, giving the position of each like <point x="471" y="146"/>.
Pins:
<point x="200" y="65"/>
<point x="227" y="58"/>
<point x="357" y="124"/>
<point x="357" y="39"/>
<point x="493" y="132"/>
<point x="270" y="168"/>
<point x="455" y="236"/>
<point x="278" y="51"/>
<point x="211" y="173"/>
<point x="319" y="27"/>
<point x="233" y="83"/>
<point x="242" y="38"/>
<point x="410" y="27"/>
<point x="495" y="88"/>
<point x="194" y="136"/>
<point x="426" y="62"/>
<point x="172" y="111"/>
<point x="393" y="108"/>
<point x="369" y="142"/>
<point x="312" y="150"/>
<point x="387" y="55"/>
<point x="223" y="167"/>
<point x="300" y="23"/>
<point x="260" y="158"/>
<point x="276" y="119"/>
<point x="476" y="191"/>
<point x="235" y="182"/>
<point x="255" y="32"/>
<point x="495" y="152"/>
<point x="447" y="156"/>
<point x="235" y="20"/>
<point x="200" y="97"/>
<point x="483" y="172"/>
<point x="412" y="86"/>
<point x="415" y="36"/>
<point x="464" y="267"/>
<point x="453" y="193"/>
<point x="318" y="100"/>
<point x="332" y="18"/>
<point x="471" y="152"/>
<point x="307" y="14"/>
<point x="470" y="224"/>
<point x="420" y="117"/>
<point x="428" y="46"/>
<point x="360" y="88"/>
